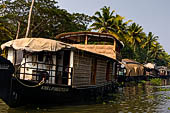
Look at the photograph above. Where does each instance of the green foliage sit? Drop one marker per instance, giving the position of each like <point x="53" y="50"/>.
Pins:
<point x="163" y="89"/>
<point x="143" y="81"/>
<point x="47" y="18"/>
<point x="155" y="81"/>
<point x="5" y="34"/>
<point x="138" y="45"/>
<point x="167" y="97"/>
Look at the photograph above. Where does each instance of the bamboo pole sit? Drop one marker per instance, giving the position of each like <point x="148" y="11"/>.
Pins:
<point x="29" y="19"/>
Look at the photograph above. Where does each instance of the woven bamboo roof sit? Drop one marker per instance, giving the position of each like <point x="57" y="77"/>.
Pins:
<point x="133" y="67"/>
<point x="106" y="50"/>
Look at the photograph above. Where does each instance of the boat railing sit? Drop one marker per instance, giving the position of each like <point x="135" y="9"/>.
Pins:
<point x="51" y="73"/>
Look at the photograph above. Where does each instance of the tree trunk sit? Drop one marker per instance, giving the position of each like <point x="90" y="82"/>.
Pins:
<point x="29" y="19"/>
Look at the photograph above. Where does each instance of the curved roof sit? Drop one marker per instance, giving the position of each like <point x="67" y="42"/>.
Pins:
<point x="104" y="36"/>
<point x="130" y="61"/>
<point x="62" y="35"/>
<point x="36" y="44"/>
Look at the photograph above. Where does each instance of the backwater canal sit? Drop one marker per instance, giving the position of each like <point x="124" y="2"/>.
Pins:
<point x="133" y="98"/>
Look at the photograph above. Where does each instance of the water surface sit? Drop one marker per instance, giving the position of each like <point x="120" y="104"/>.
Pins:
<point x="138" y="98"/>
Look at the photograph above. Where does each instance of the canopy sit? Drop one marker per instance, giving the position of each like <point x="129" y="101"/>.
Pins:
<point x="36" y="44"/>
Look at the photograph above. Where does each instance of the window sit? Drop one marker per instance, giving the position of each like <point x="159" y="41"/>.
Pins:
<point x="40" y="56"/>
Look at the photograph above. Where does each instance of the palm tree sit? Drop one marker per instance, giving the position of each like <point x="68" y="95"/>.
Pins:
<point x="103" y="22"/>
<point x="155" y="51"/>
<point x="149" y="42"/>
<point x="106" y="22"/>
<point x="135" y="35"/>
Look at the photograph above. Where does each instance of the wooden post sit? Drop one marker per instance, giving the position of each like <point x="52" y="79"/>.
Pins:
<point x="114" y="48"/>
<point x="70" y="66"/>
<point x="86" y="40"/>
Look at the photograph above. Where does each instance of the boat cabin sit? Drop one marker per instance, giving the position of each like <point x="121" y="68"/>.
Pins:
<point x="163" y="71"/>
<point x="77" y="60"/>
<point x="133" y="68"/>
<point x="150" y="69"/>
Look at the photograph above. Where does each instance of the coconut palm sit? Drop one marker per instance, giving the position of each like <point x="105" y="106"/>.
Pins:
<point x="135" y="35"/>
<point x="149" y="42"/>
<point x="103" y="21"/>
<point x="106" y="22"/>
<point x="155" y="51"/>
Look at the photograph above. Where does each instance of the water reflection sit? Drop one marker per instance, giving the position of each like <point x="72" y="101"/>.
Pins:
<point x="3" y="107"/>
<point x="140" y="98"/>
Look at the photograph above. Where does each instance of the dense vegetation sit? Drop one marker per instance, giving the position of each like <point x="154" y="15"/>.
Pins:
<point x="138" y="45"/>
<point x="48" y="20"/>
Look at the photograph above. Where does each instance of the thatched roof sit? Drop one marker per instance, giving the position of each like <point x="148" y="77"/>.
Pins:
<point x="130" y="61"/>
<point x="106" y="50"/>
<point x="133" y="68"/>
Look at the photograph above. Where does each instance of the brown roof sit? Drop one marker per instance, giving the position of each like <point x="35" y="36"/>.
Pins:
<point x="130" y="61"/>
<point x="134" y="69"/>
<point x="86" y="33"/>
<point x="106" y="50"/>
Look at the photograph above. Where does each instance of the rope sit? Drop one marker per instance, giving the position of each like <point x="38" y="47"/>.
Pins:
<point x="37" y="85"/>
<point x="33" y="86"/>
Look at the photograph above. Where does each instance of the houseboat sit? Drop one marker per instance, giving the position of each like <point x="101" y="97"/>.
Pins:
<point x="163" y="71"/>
<point x="151" y="70"/>
<point x="76" y="65"/>
<point x="131" y="70"/>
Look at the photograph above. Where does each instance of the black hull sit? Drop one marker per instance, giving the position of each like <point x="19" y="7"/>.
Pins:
<point x="5" y="84"/>
<point x="139" y="78"/>
<point x="16" y="94"/>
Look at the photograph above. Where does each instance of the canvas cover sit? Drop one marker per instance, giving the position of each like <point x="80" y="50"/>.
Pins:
<point x="35" y="44"/>
<point x="150" y="66"/>
<point x="106" y="50"/>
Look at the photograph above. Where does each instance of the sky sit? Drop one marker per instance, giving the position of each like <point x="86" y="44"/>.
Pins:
<point x="152" y="15"/>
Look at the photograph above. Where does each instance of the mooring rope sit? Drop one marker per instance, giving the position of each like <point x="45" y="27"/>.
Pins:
<point x="31" y="86"/>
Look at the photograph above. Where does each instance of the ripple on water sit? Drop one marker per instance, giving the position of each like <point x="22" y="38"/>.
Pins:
<point x="3" y="107"/>
<point x="143" y="99"/>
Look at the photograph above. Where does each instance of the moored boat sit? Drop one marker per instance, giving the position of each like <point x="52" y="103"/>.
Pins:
<point x="78" y="65"/>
